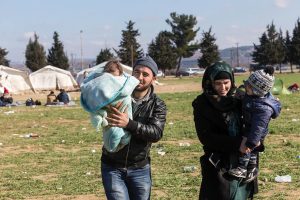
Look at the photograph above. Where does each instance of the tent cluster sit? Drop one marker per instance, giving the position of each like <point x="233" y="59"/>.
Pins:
<point x="46" y="78"/>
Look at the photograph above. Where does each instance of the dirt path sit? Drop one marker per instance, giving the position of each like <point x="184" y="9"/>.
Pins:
<point x="186" y="87"/>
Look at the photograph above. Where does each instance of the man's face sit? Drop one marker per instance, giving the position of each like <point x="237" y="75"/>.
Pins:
<point x="145" y="76"/>
<point x="222" y="86"/>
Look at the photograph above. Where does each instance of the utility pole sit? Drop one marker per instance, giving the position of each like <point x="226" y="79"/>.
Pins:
<point x="231" y="57"/>
<point x="81" y="49"/>
<point x="237" y="54"/>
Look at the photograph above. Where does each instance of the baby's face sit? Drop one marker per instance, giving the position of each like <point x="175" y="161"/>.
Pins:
<point x="114" y="70"/>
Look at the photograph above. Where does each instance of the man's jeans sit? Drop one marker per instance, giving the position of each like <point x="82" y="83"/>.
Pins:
<point x="125" y="184"/>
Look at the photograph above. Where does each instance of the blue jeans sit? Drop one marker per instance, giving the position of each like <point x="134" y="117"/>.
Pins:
<point x="125" y="184"/>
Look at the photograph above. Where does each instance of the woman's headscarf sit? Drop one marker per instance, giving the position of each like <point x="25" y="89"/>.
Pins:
<point x="221" y="103"/>
<point x="210" y="76"/>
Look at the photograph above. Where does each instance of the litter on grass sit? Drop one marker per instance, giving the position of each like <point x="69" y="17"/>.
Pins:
<point x="189" y="169"/>
<point x="184" y="144"/>
<point x="283" y="179"/>
<point x="161" y="152"/>
<point x="30" y="135"/>
<point x="9" y="112"/>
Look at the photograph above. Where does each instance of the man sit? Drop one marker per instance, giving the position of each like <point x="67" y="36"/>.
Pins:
<point x="63" y="96"/>
<point x="126" y="174"/>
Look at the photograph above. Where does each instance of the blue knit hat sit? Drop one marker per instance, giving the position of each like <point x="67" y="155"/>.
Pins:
<point x="147" y="62"/>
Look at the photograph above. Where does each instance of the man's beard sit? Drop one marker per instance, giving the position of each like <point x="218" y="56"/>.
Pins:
<point x="143" y="88"/>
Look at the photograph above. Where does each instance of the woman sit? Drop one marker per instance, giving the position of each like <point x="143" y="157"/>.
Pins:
<point x="217" y="117"/>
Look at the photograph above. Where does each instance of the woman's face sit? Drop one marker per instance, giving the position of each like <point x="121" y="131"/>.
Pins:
<point x="222" y="86"/>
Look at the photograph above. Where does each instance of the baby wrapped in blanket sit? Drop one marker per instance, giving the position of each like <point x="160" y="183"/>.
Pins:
<point x="103" y="87"/>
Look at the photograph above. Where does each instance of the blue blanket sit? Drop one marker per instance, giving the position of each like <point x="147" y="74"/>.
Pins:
<point x="101" y="89"/>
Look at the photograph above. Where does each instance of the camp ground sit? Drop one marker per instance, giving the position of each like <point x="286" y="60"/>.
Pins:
<point x="54" y="152"/>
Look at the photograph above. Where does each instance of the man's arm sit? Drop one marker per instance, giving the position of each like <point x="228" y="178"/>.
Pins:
<point x="152" y="131"/>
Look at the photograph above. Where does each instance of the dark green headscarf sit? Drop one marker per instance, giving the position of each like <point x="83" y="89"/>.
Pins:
<point x="211" y="72"/>
<point x="223" y="104"/>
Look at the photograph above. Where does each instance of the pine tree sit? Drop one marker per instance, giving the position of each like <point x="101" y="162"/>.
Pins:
<point x="271" y="49"/>
<point x="56" y="55"/>
<point x="295" y="44"/>
<point x="104" y="55"/>
<point x="183" y="34"/>
<point x="288" y="50"/>
<point x="209" y="50"/>
<point x="35" y="55"/>
<point x="259" y="56"/>
<point x="280" y="49"/>
<point x="162" y="51"/>
<point x="129" y="48"/>
<point x="3" y="60"/>
<point x="273" y="45"/>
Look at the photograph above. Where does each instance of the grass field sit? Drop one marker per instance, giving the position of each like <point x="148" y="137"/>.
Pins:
<point x="63" y="162"/>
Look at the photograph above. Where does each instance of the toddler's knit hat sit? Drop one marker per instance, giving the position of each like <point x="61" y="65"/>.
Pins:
<point x="261" y="81"/>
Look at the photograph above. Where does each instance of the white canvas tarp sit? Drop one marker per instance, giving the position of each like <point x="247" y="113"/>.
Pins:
<point x="52" y="78"/>
<point x="82" y="74"/>
<point x="16" y="81"/>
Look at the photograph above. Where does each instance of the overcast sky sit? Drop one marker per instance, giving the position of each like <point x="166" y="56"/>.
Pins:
<point x="102" y="22"/>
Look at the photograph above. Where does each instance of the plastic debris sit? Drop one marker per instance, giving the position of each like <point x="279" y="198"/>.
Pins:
<point x="1" y="144"/>
<point x="161" y="152"/>
<point x="83" y="129"/>
<point x="63" y="141"/>
<point x="184" y="144"/>
<point x="189" y="169"/>
<point x="59" y="187"/>
<point x="170" y="123"/>
<point x="93" y="151"/>
<point x="295" y="120"/>
<point x="30" y="135"/>
<point x="9" y="112"/>
<point x="298" y="157"/>
<point x="283" y="179"/>
<point x="88" y="173"/>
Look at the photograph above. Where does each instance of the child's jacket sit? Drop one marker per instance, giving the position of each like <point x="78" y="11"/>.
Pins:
<point x="257" y="113"/>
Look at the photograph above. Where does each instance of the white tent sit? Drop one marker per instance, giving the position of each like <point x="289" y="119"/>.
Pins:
<point x="82" y="74"/>
<point x="51" y="78"/>
<point x="16" y="81"/>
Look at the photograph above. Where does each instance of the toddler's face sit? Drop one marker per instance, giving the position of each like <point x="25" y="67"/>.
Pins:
<point x="249" y="90"/>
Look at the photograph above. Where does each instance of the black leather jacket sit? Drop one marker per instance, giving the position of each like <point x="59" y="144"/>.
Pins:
<point x="146" y="128"/>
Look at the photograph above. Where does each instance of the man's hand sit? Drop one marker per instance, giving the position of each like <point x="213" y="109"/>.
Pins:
<point x="117" y="118"/>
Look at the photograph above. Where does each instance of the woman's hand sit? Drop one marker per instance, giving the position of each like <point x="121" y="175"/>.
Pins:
<point x="117" y="118"/>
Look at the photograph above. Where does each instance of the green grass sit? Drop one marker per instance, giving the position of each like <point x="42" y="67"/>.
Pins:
<point x="61" y="161"/>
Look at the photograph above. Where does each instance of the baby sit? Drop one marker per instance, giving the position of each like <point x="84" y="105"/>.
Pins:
<point x="103" y="87"/>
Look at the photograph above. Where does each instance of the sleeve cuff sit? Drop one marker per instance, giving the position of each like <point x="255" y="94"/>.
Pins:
<point x="132" y="126"/>
<point x="250" y="145"/>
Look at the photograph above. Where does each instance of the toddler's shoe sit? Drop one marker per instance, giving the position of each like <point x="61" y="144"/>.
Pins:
<point x="238" y="172"/>
<point x="251" y="175"/>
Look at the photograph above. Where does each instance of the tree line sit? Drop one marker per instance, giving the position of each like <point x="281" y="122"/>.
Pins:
<point x="169" y="47"/>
